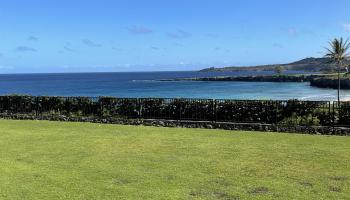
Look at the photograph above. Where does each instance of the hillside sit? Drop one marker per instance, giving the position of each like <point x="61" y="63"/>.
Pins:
<point x="307" y="64"/>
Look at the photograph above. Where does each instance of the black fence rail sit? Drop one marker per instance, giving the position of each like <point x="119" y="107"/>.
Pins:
<point x="291" y="112"/>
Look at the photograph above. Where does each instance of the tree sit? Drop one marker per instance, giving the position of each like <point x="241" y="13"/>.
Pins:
<point x="279" y="70"/>
<point x="338" y="53"/>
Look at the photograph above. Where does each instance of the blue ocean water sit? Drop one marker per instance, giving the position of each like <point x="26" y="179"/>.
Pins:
<point x="145" y="84"/>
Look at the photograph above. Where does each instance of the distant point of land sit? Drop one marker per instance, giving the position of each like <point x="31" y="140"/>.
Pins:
<point x="307" y="64"/>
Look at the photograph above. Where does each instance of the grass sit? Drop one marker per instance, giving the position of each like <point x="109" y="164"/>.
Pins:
<point x="56" y="160"/>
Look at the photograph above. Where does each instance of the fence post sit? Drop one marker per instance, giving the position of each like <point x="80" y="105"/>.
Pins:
<point x="214" y="110"/>
<point x="335" y="104"/>
<point x="68" y="106"/>
<point x="276" y="111"/>
<point x="333" y="113"/>
<point x="139" y="108"/>
<point x="329" y="114"/>
<point x="337" y="113"/>
<point x="36" y="106"/>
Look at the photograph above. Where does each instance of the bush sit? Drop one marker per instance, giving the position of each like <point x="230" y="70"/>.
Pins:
<point x="113" y="107"/>
<point x="343" y="110"/>
<point x="247" y="111"/>
<point x="292" y="112"/>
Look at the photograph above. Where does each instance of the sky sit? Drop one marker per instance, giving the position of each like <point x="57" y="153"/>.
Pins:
<point x="163" y="35"/>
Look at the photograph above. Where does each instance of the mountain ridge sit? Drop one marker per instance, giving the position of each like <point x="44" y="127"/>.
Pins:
<point x="307" y="64"/>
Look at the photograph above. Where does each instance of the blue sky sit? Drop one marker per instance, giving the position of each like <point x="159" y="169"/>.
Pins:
<point x="159" y="35"/>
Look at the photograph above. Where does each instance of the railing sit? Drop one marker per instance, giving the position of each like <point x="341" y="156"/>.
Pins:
<point x="291" y="112"/>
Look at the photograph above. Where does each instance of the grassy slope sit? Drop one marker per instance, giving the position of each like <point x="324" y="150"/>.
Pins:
<point x="55" y="160"/>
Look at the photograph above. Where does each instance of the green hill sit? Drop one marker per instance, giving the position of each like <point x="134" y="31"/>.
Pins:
<point x="307" y="64"/>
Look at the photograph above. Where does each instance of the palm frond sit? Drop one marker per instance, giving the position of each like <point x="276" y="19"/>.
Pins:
<point x="338" y="50"/>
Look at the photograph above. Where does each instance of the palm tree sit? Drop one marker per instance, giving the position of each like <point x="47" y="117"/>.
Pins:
<point x="338" y="53"/>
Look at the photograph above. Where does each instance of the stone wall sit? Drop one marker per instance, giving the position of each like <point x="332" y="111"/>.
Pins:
<point x="314" y="130"/>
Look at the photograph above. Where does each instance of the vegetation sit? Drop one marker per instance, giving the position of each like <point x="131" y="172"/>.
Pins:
<point x="307" y="64"/>
<point x="279" y="70"/>
<point x="336" y="59"/>
<point x="254" y="78"/>
<point x="247" y="111"/>
<point x="338" y="53"/>
<point x="56" y="160"/>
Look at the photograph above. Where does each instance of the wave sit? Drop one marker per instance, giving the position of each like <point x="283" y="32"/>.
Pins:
<point x="144" y="80"/>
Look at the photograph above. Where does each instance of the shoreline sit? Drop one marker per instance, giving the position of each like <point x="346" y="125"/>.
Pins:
<point x="147" y="86"/>
<point x="316" y="80"/>
<point x="255" y="78"/>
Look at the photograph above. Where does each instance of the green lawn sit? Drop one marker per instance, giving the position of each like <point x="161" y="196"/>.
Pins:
<point x="56" y="160"/>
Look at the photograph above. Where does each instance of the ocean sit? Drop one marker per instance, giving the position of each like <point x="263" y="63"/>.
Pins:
<point x="146" y="84"/>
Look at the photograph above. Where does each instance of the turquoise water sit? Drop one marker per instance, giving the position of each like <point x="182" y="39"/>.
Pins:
<point x="145" y="84"/>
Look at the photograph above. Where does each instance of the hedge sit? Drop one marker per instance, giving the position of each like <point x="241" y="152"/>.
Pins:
<point x="291" y="112"/>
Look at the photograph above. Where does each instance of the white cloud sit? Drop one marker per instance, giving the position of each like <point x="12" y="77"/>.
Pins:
<point x="277" y="45"/>
<point x="68" y="47"/>
<point x="140" y="30"/>
<point x="33" y="38"/>
<point x="179" y="34"/>
<point x="346" y="27"/>
<point x="155" y="48"/>
<point x="25" y="49"/>
<point x="292" y="31"/>
<point x="91" y="43"/>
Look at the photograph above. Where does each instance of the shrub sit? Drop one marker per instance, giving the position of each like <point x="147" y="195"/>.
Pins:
<point x="292" y="112"/>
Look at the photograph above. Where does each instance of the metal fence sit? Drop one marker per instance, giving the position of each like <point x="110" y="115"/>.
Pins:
<point x="291" y="112"/>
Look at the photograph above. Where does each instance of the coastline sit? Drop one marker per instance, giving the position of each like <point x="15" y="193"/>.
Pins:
<point x="253" y="78"/>
<point x="316" y="80"/>
<point x="131" y="85"/>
